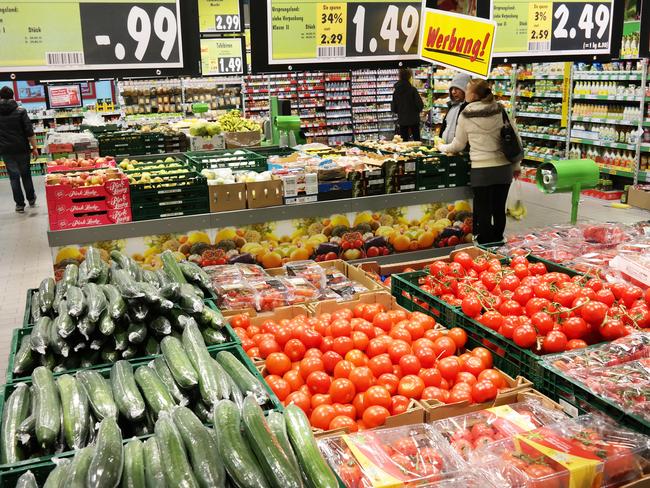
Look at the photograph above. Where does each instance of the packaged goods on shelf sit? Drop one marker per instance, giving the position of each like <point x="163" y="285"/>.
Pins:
<point x="84" y="143"/>
<point x="159" y="140"/>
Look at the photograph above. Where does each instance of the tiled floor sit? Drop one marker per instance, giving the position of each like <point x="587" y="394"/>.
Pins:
<point x="25" y="258"/>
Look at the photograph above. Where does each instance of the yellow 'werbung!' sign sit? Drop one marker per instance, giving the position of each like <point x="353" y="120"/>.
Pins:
<point x="457" y="41"/>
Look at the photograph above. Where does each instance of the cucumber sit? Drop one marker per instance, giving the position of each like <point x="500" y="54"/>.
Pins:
<point x="135" y="270"/>
<point x="201" y="447"/>
<point x="240" y="462"/>
<point x="314" y="467"/>
<point x="154" y="390"/>
<point x="179" y="319"/>
<point x="93" y="263"/>
<point x="46" y="294"/>
<point x="179" y="363"/>
<point x="59" y="293"/>
<point x="212" y="337"/>
<point x="27" y="480"/>
<point x="26" y="430"/>
<point x="63" y="323"/>
<point x="130" y="352"/>
<point x="275" y="421"/>
<point x="162" y="370"/>
<point x="171" y="267"/>
<point x="203" y="412"/>
<point x="153" y="469"/>
<point x="121" y="260"/>
<point x="171" y="291"/>
<point x="79" y="468"/>
<point x="76" y="301"/>
<point x="189" y="301"/>
<point x="35" y="308"/>
<point x="40" y="336"/>
<point x="165" y="305"/>
<point x="244" y="379"/>
<point x="198" y="291"/>
<point x="16" y="410"/>
<point x="152" y="346"/>
<point x="106" y="324"/>
<point x="124" y="282"/>
<point x="203" y="365"/>
<point x="105" y="469"/>
<point x="83" y="274"/>
<point x="212" y="318"/>
<point x="47" y="407"/>
<point x="236" y="394"/>
<point x="161" y="325"/>
<point x="138" y="310"/>
<point x="116" y="304"/>
<point x="177" y="469"/>
<point x="86" y="327"/>
<point x="24" y="359"/>
<point x="133" y="474"/>
<point x="137" y="332"/>
<point x="109" y="355"/>
<point x="76" y="414"/>
<point x="48" y="360"/>
<point x="164" y="279"/>
<point x="58" y="344"/>
<point x="71" y="275"/>
<point x="125" y="392"/>
<point x="150" y="277"/>
<point x="89" y="360"/>
<point x="224" y="380"/>
<point x="97" y="343"/>
<point x="194" y="273"/>
<point x="276" y="466"/>
<point x="58" y="477"/>
<point x="104" y="275"/>
<point x="121" y="338"/>
<point x="95" y="300"/>
<point x="151" y="293"/>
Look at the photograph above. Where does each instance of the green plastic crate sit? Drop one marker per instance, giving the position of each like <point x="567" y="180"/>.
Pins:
<point x="171" y="209"/>
<point x="431" y="181"/>
<point x="406" y="290"/>
<point x="244" y="160"/>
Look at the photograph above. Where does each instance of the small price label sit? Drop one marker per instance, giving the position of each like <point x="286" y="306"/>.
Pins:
<point x="222" y="56"/>
<point x="331" y="25"/>
<point x="540" y="22"/>
<point x="227" y="23"/>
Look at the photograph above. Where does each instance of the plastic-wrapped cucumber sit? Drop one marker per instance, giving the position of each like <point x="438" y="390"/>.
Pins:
<point x="76" y="414"/>
<point x="135" y="269"/>
<point x="138" y="310"/>
<point x="27" y="480"/>
<point x="201" y="447"/>
<point x="171" y="267"/>
<point x="76" y="301"/>
<point x="83" y="274"/>
<point x="109" y="355"/>
<point x="93" y="263"/>
<point x="203" y="364"/>
<point x="150" y="277"/>
<point x="48" y="360"/>
<point x="36" y="308"/>
<point x="130" y="352"/>
<point x="78" y="473"/>
<point x="165" y="305"/>
<point x="106" y="324"/>
<point x="99" y="394"/>
<point x="57" y="343"/>
<point x="212" y="337"/>
<point x="40" y="336"/>
<point x="224" y="383"/>
<point x="26" y="430"/>
<point x="275" y="421"/>
<point x="95" y="300"/>
<point x="161" y="325"/>
<point x="97" y="343"/>
<point x="202" y="411"/>
<point x="47" y="407"/>
<point x="86" y="327"/>
<point x="124" y="282"/>
<point x="46" y="294"/>
<point x="137" y="332"/>
<point x="152" y="346"/>
<point x="63" y="323"/>
<point x="89" y="359"/>
<point x="162" y="370"/>
<point x="154" y="390"/>
<point x="193" y="272"/>
<point x="133" y="474"/>
<point x="16" y="410"/>
<point x="236" y="394"/>
<point x="125" y="392"/>
<point x="171" y="291"/>
<point x="59" y="294"/>
<point x="71" y="275"/>
<point x="121" y="260"/>
<point x="105" y="470"/>
<point x="24" y="358"/>
<point x="179" y="319"/>
<point x="198" y="291"/>
<point x="121" y="337"/>
<point x="153" y="465"/>
<point x="189" y="301"/>
<point x="212" y="318"/>
<point x="58" y="477"/>
<point x="151" y="293"/>
<point x="177" y="468"/>
<point x="116" y="304"/>
<point x="182" y="369"/>
<point x="163" y="278"/>
<point x="242" y="377"/>
<point x="102" y="279"/>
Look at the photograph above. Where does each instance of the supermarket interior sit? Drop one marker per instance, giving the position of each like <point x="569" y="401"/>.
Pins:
<point x="325" y="244"/>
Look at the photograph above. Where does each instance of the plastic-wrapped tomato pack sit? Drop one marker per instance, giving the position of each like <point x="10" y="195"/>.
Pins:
<point x="309" y="270"/>
<point x="474" y="430"/>
<point x="223" y="274"/>
<point x="271" y="292"/>
<point x="587" y="451"/>
<point x="413" y="455"/>
<point x="301" y="289"/>
<point x="236" y="295"/>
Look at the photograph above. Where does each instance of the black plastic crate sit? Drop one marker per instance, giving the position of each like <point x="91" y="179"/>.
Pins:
<point x="170" y="208"/>
<point x="431" y="181"/>
<point x="242" y="161"/>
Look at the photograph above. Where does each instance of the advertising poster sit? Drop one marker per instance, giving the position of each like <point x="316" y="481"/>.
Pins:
<point x="219" y="16"/>
<point x="64" y="96"/>
<point x="222" y="56"/>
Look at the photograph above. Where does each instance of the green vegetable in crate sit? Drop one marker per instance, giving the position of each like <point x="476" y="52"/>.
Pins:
<point x="83" y="274"/>
<point x="176" y="466"/>
<point x="223" y="378"/>
<point x="171" y="267"/>
<point x="16" y="410"/>
<point x="97" y="343"/>
<point x="27" y="480"/>
<point x="212" y="337"/>
<point x="234" y="450"/>
<point x="76" y="414"/>
<point x="104" y="275"/>
<point x="244" y="379"/>
<point x="130" y="352"/>
<point x="179" y="363"/>
<point x="96" y="301"/>
<point x="35" y="308"/>
<point x="154" y="390"/>
<point x="105" y="469"/>
<point x="161" y="325"/>
<point x="63" y="323"/>
<point x="46" y="294"/>
<point x="59" y="294"/>
<point x="275" y="421"/>
<point x="116" y="304"/>
<point x="93" y="263"/>
<point x="189" y="301"/>
<point x="150" y="277"/>
<point x="59" y="475"/>
<point x="153" y="465"/>
<point x="89" y="360"/>
<point x="76" y="301"/>
<point x="124" y="282"/>
<point x="109" y="355"/>
<point x="194" y="273"/>
<point x="121" y="338"/>
<point x="138" y="310"/>
<point x="179" y="319"/>
<point x="71" y="275"/>
<point x="47" y="407"/>
<point x="133" y="473"/>
<point x="106" y="324"/>
<point x="202" y="411"/>
<point x="121" y="260"/>
<point x="236" y="394"/>
<point x="171" y="291"/>
<point x="314" y="467"/>
<point x="78" y="473"/>
<point x="86" y="327"/>
<point x="26" y="430"/>
<point x="137" y="332"/>
<point x="125" y="392"/>
<point x="48" y="360"/>
<point x="24" y="359"/>
<point x="276" y="466"/>
<point x="164" y="279"/>
<point x="202" y="362"/>
<point x="40" y="336"/>
<point x="150" y="292"/>
<point x="152" y="346"/>
<point x="164" y="373"/>
<point x="57" y="343"/>
<point x="212" y="318"/>
<point x="202" y="449"/>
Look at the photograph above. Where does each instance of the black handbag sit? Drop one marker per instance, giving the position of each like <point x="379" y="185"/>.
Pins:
<point x="510" y="144"/>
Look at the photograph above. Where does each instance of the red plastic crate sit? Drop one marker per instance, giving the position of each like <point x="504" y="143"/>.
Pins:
<point x="75" y="221"/>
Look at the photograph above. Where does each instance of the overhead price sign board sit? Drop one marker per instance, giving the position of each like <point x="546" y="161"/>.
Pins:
<point x="555" y="28"/>
<point x="311" y="31"/>
<point x="220" y="16"/>
<point x="90" y="35"/>
<point x="457" y="41"/>
<point x="222" y="56"/>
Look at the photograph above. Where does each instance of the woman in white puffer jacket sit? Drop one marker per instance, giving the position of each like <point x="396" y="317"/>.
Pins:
<point x="479" y="125"/>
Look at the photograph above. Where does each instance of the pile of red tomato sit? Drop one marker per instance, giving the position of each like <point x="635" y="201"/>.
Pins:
<point x="547" y="312"/>
<point x="357" y="366"/>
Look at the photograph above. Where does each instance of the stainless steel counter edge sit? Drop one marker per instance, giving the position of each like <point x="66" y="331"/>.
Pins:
<point x="240" y="218"/>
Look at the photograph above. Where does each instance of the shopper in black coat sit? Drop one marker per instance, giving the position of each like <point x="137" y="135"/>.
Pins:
<point x="407" y="104"/>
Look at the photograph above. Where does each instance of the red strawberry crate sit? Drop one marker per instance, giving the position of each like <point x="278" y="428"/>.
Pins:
<point x="75" y="220"/>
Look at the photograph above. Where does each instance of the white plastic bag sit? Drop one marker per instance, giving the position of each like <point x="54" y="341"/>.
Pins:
<point x="515" y="205"/>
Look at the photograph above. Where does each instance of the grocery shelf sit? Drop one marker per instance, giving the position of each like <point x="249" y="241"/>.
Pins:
<point x="610" y="144"/>
<point x="539" y="159"/>
<point x="616" y="172"/>
<point x="540" y="95"/>
<point x="540" y="77"/>
<point x="606" y="76"/>
<point x="240" y="218"/>
<point x="608" y="98"/>
<point x="597" y="120"/>
<point x="548" y="137"/>
<point x="539" y="115"/>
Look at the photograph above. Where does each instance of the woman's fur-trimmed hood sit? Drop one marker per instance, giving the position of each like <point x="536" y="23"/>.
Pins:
<point x="481" y="109"/>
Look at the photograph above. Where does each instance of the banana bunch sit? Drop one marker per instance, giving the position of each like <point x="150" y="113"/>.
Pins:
<point x="233" y="122"/>
<point x="517" y="211"/>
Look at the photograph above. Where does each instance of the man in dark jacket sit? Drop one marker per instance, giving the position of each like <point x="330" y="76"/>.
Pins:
<point x="16" y="138"/>
<point x="407" y="104"/>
